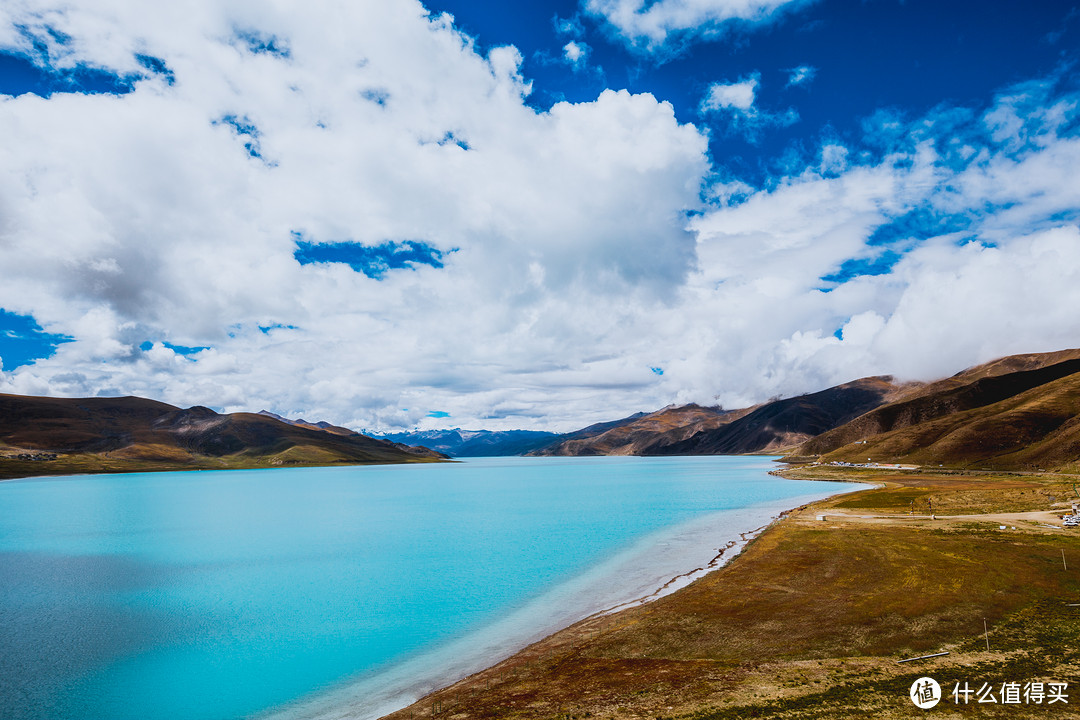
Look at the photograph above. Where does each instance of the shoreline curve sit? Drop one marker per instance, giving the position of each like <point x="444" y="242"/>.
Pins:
<point x="381" y="692"/>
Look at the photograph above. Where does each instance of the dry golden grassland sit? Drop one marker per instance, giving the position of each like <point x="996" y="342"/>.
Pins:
<point x="810" y="620"/>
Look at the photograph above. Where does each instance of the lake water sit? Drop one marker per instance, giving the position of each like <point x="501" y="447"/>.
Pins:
<point x="325" y="592"/>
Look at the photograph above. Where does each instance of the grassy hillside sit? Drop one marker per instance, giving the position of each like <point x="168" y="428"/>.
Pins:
<point x="50" y="436"/>
<point x="1021" y="420"/>
<point x="994" y="368"/>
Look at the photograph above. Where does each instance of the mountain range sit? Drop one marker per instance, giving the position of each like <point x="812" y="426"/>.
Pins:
<point x="475" y="443"/>
<point x="1014" y="413"/>
<point x="1021" y="412"/>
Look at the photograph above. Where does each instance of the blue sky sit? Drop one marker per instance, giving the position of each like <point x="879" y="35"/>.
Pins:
<point x="862" y="56"/>
<point x="394" y="214"/>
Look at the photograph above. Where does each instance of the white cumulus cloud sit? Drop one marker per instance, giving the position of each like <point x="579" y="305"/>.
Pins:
<point x="579" y="247"/>
<point x="145" y="217"/>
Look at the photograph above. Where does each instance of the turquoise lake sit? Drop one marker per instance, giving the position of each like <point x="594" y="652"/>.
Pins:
<point x="331" y="592"/>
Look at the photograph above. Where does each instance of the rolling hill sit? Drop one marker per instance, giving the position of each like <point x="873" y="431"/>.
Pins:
<point x="41" y="435"/>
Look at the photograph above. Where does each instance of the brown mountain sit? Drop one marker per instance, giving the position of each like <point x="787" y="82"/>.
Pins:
<point x="40" y="435"/>
<point x="633" y="435"/>
<point x="990" y="416"/>
<point x="994" y="368"/>
<point x="785" y="423"/>
<point x="1014" y="412"/>
<point x="697" y="430"/>
<point x="320" y="425"/>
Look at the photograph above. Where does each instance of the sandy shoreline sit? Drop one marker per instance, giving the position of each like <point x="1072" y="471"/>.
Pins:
<point x="683" y="579"/>
<point x="652" y="568"/>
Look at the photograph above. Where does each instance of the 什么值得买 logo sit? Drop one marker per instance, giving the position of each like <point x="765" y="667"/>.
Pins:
<point x="925" y="693"/>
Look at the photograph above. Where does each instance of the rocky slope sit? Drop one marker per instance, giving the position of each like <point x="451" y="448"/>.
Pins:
<point x="695" y="430"/>
<point x="785" y="423"/>
<point x="642" y="433"/>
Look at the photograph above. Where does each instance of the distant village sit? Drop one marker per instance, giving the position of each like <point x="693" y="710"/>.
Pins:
<point x="41" y="456"/>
